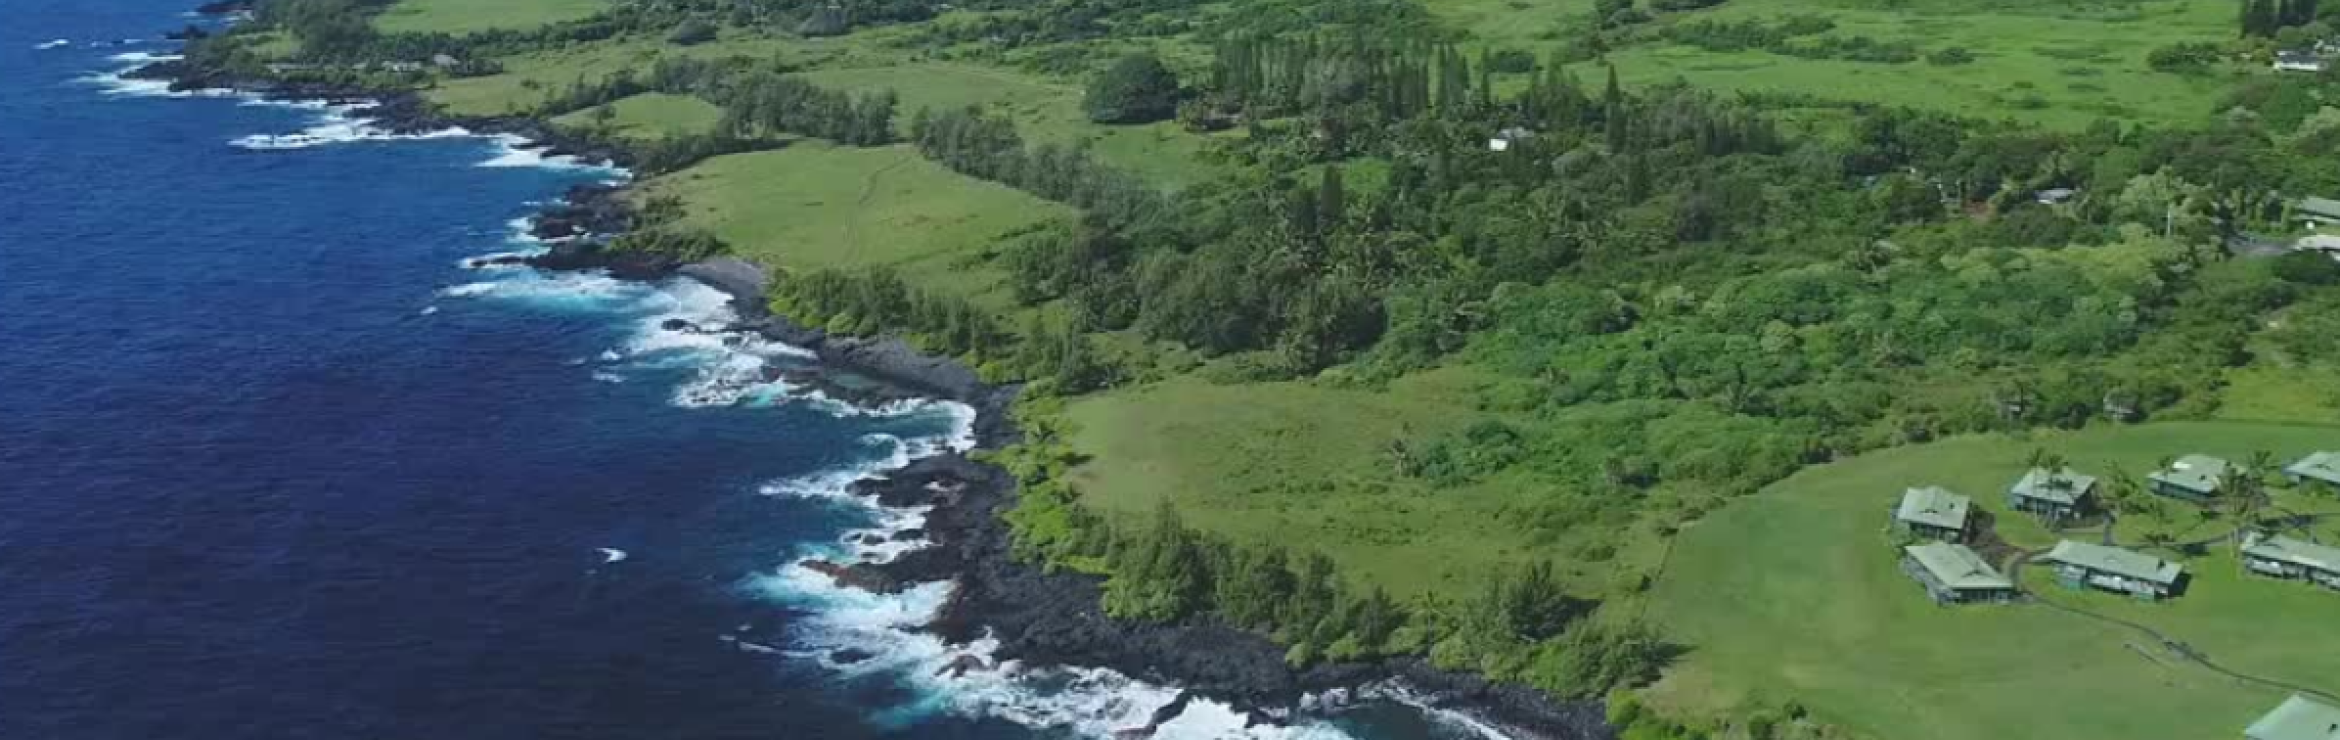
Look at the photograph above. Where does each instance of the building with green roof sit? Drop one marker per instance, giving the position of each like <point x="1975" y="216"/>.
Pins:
<point x="1933" y="512"/>
<point x="2316" y="211"/>
<point x="2056" y="494"/>
<point x="2193" y="478"/>
<point x="2082" y="565"/>
<point x="2285" y="557"/>
<point x="2319" y="468"/>
<point x="2297" y="718"/>
<point x="1954" y="574"/>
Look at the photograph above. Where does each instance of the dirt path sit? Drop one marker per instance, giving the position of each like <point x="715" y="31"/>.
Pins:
<point x="2185" y="652"/>
<point x="869" y="186"/>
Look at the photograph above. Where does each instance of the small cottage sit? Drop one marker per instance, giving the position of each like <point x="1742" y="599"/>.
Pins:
<point x="2314" y="211"/>
<point x="2058" y="494"/>
<point x="2298" y="718"/>
<point x="2082" y="565"/>
<point x="1933" y="512"/>
<point x="2193" y="478"/>
<point x="2279" y="556"/>
<point x="1954" y="574"/>
<point x="2318" y="469"/>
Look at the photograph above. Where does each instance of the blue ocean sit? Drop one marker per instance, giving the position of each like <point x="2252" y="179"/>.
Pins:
<point x="275" y="463"/>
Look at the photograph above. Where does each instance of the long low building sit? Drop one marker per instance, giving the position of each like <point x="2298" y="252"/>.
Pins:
<point x="1933" y="512"/>
<point x="2319" y="468"/>
<point x="2285" y="557"/>
<point x="2297" y="718"/>
<point x="2079" y="564"/>
<point x="1954" y="574"/>
<point x="2193" y="478"/>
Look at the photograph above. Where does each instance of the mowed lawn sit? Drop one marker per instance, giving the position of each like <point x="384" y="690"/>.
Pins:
<point x="1306" y="466"/>
<point x="817" y="205"/>
<point x="2057" y="62"/>
<point x="466" y="16"/>
<point x="1795" y="593"/>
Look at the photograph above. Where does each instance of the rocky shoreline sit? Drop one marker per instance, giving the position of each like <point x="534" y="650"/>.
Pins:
<point x="1039" y="618"/>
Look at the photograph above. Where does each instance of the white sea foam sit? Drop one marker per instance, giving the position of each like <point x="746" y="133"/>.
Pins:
<point x="833" y="484"/>
<point x="142" y="57"/>
<point x="52" y="44"/>
<point x="336" y="129"/>
<point x="518" y="151"/>
<point x="1090" y="702"/>
<point x="469" y="290"/>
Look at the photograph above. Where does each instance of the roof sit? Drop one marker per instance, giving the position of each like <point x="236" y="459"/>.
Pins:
<point x="2286" y="549"/>
<point x="2323" y="466"/>
<point x="2317" y="243"/>
<point x="1933" y="506"/>
<point x="1957" y="567"/>
<point x="2315" y="206"/>
<point x="2194" y="472"/>
<point x="2298" y="718"/>
<point x="2119" y="562"/>
<point x="2062" y="486"/>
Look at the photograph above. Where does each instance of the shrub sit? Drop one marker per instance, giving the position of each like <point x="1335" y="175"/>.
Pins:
<point x="691" y="33"/>
<point x="1951" y="56"/>
<point x="1511" y="61"/>
<point x="2183" y="58"/>
<point x="2307" y="268"/>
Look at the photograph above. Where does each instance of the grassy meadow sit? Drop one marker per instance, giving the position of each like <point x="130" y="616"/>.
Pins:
<point x="2062" y="64"/>
<point x="1044" y="110"/>
<point x="1795" y="593"/>
<point x="814" y="205"/>
<point x="651" y="116"/>
<point x="465" y="16"/>
<point x="528" y="79"/>
<point x="1307" y="466"/>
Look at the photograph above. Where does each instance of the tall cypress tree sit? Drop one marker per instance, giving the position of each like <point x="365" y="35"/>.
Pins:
<point x="1613" y="112"/>
<point x="1332" y="200"/>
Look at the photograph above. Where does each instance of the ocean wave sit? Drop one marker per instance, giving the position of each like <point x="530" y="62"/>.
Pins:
<point x="519" y="151"/>
<point x="114" y="84"/>
<point x="340" y="130"/>
<point x="835" y="484"/>
<point x="1090" y="702"/>
<point x="52" y="44"/>
<point x="142" y="57"/>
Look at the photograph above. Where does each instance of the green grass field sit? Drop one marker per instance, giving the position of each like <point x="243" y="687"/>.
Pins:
<point x="815" y="205"/>
<point x="465" y="16"/>
<point x="2057" y="63"/>
<point x="1794" y="593"/>
<point x="652" y="116"/>
<point x="527" y="79"/>
<point x="1045" y="111"/>
<point x="1305" y="465"/>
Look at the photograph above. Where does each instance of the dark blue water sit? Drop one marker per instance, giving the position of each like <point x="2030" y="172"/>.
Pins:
<point x="273" y="464"/>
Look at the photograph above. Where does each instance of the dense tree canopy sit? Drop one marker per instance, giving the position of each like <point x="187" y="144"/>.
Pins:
<point x="1136" y="89"/>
